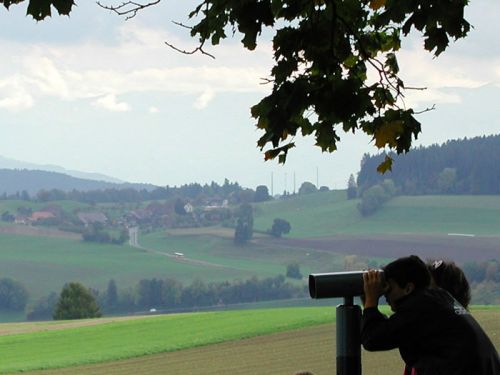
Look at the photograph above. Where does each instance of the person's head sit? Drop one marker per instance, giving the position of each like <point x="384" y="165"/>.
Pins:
<point x="448" y="276"/>
<point x="404" y="276"/>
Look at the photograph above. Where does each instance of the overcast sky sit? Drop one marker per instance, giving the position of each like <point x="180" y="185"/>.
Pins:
<point x="96" y="93"/>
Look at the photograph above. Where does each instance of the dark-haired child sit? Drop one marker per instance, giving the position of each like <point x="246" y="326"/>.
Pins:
<point x="433" y="332"/>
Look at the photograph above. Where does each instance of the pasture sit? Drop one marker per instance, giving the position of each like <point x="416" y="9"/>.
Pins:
<point x="311" y="215"/>
<point x="66" y="205"/>
<point x="265" y="256"/>
<point x="45" y="264"/>
<point x="326" y="228"/>
<point x="329" y="213"/>
<point x="281" y="341"/>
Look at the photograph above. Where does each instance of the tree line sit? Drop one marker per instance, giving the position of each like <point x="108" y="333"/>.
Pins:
<point x="133" y="195"/>
<point x="466" y="166"/>
<point x="168" y="294"/>
<point x="77" y="301"/>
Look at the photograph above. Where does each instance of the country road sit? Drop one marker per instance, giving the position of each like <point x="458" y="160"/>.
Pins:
<point x="134" y="242"/>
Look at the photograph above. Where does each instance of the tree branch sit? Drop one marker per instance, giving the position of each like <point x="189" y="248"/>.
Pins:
<point x="192" y="52"/>
<point x="426" y="110"/>
<point x="128" y="9"/>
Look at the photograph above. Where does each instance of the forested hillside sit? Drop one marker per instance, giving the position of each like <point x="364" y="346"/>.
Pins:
<point x="467" y="166"/>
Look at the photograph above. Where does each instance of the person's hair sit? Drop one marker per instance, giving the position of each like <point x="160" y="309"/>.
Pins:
<point x="406" y="270"/>
<point x="448" y="276"/>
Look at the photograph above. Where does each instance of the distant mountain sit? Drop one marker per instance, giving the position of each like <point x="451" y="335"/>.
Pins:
<point x="32" y="181"/>
<point x="6" y="163"/>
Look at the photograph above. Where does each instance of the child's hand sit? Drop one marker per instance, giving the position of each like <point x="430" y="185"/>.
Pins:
<point x="373" y="287"/>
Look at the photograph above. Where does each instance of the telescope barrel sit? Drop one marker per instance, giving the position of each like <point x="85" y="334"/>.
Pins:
<point x="336" y="284"/>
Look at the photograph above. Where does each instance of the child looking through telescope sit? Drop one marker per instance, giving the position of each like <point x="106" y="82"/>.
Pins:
<point x="433" y="332"/>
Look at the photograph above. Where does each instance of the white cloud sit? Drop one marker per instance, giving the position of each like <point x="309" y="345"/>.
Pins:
<point x="43" y="73"/>
<point x="13" y="96"/>
<point x="428" y="97"/>
<point x="140" y="62"/>
<point x="110" y="103"/>
<point x="419" y="68"/>
<point x="205" y="98"/>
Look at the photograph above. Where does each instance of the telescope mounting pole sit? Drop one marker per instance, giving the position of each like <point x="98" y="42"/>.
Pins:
<point x="348" y="338"/>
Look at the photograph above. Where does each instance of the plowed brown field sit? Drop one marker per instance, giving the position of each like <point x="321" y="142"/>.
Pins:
<point x="456" y="247"/>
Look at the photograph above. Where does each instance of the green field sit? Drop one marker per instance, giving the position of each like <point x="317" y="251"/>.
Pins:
<point x="68" y="206"/>
<point x="263" y="260"/>
<point x="478" y="215"/>
<point x="125" y="339"/>
<point x="329" y="213"/>
<point x="312" y="215"/>
<point x="279" y="338"/>
<point x="44" y="264"/>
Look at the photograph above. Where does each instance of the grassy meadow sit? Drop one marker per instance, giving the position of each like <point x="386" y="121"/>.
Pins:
<point x="330" y="213"/>
<point x="12" y="205"/>
<point x="45" y="263"/>
<point x="270" y="341"/>
<point x="264" y="259"/>
<point x="51" y="348"/>
<point x="260" y="338"/>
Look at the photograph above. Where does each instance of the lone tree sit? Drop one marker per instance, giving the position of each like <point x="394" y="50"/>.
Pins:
<point x="261" y="194"/>
<point x="352" y="188"/>
<point x="324" y="54"/>
<point x="307" y="188"/>
<point x="293" y="271"/>
<point x="76" y="302"/>
<point x="280" y="227"/>
<point x="13" y="295"/>
<point x="244" y="224"/>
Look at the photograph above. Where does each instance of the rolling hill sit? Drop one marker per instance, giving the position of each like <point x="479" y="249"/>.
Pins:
<point x="327" y="234"/>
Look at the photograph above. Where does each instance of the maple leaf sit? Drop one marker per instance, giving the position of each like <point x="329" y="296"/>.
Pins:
<point x="388" y="133"/>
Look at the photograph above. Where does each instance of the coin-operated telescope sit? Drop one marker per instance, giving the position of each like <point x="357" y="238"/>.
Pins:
<point x="346" y="285"/>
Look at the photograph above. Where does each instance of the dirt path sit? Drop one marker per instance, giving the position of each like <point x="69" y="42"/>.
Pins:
<point x="30" y="327"/>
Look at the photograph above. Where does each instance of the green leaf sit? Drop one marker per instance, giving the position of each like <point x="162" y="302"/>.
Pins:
<point x="436" y="39"/>
<point x="39" y="9"/>
<point x="391" y="63"/>
<point x="64" y="7"/>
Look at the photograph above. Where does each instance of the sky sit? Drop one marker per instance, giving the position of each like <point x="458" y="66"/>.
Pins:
<point x="95" y="93"/>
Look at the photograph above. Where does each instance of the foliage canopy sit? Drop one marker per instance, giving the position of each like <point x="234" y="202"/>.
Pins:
<point x="324" y="54"/>
<point x="13" y="295"/>
<point x="76" y="302"/>
<point x="244" y="224"/>
<point x="280" y="227"/>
